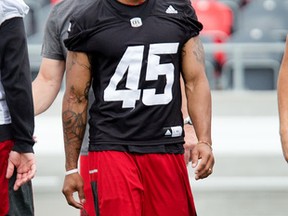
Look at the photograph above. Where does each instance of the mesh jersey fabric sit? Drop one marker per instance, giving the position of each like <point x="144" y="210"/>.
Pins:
<point x="135" y="69"/>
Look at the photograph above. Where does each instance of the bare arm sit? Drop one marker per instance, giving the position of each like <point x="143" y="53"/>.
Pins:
<point x="190" y="136"/>
<point x="47" y="84"/>
<point x="283" y="101"/>
<point x="74" y="118"/>
<point x="199" y="104"/>
<point x="74" y="109"/>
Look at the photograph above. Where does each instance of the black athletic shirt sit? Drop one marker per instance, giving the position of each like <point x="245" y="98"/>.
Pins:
<point x="135" y="56"/>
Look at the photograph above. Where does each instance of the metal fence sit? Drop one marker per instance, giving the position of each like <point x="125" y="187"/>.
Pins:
<point x="248" y="66"/>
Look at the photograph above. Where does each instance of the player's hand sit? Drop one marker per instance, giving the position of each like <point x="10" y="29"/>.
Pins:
<point x="202" y="160"/>
<point x="25" y="165"/>
<point x="190" y="142"/>
<point x="74" y="183"/>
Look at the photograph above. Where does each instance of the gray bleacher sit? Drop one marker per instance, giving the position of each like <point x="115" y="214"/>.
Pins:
<point x="259" y="22"/>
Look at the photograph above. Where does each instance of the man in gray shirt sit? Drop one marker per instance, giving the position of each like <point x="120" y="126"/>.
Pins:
<point x="48" y="82"/>
<point x="16" y="112"/>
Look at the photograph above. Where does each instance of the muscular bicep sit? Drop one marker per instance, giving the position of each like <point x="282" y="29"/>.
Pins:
<point x="193" y="60"/>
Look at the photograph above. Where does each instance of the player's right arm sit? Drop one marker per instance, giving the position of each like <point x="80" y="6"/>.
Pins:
<point x="283" y="101"/>
<point x="47" y="84"/>
<point x="74" y="117"/>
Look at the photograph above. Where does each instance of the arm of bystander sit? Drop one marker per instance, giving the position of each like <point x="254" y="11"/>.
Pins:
<point x="283" y="101"/>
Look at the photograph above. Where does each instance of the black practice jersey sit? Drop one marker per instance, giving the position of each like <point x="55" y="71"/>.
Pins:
<point x="135" y="54"/>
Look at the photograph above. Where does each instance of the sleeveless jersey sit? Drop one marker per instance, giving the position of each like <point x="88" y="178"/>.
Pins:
<point x="135" y="56"/>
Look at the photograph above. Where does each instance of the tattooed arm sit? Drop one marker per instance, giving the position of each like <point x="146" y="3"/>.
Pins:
<point x="74" y="118"/>
<point x="199" y="105"/>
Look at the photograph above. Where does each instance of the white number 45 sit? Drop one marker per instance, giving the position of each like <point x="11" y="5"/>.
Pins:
<point x="132" y="61"/>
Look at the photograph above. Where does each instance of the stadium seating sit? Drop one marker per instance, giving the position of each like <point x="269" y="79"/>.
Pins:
<point x="227" y="22"/>
<point x="269" y="15"/>
<point x="261" y="21"/>
<point x="217" y="19"/>
<point x="54" y="1"/>
<point x="255" y="74"/>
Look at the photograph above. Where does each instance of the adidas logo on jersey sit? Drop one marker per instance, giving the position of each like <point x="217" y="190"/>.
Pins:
<point x="168" y="133"/>
<point x="171" y="10"/>
<point x="174" y="131"/>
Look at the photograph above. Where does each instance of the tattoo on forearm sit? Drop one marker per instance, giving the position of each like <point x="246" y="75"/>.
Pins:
<point x="74" y="114"/>
<point x="74" y="123"/>
<point x="74" y="129"/>
<point x="74" y="126"/>
<point x="78" y="98"/>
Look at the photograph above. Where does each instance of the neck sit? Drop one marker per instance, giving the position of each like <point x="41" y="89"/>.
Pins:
<point x="132" y="2"/>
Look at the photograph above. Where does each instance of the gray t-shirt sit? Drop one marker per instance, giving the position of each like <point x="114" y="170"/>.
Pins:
<point x="56" y="30"/>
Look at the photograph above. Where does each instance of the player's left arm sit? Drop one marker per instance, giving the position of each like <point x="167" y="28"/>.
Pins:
<point x="199" y="104"/>
<point x="190" y="136"/>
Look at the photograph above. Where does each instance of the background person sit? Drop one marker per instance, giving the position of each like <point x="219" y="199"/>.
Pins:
<point x="16" y="111"/>
<point x="283" y="101"/>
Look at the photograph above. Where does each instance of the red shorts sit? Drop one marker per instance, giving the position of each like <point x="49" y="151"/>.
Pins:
<point x="5" y="148"/>
<point x="126" y="184"/>
<point x="88" y="209"/>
